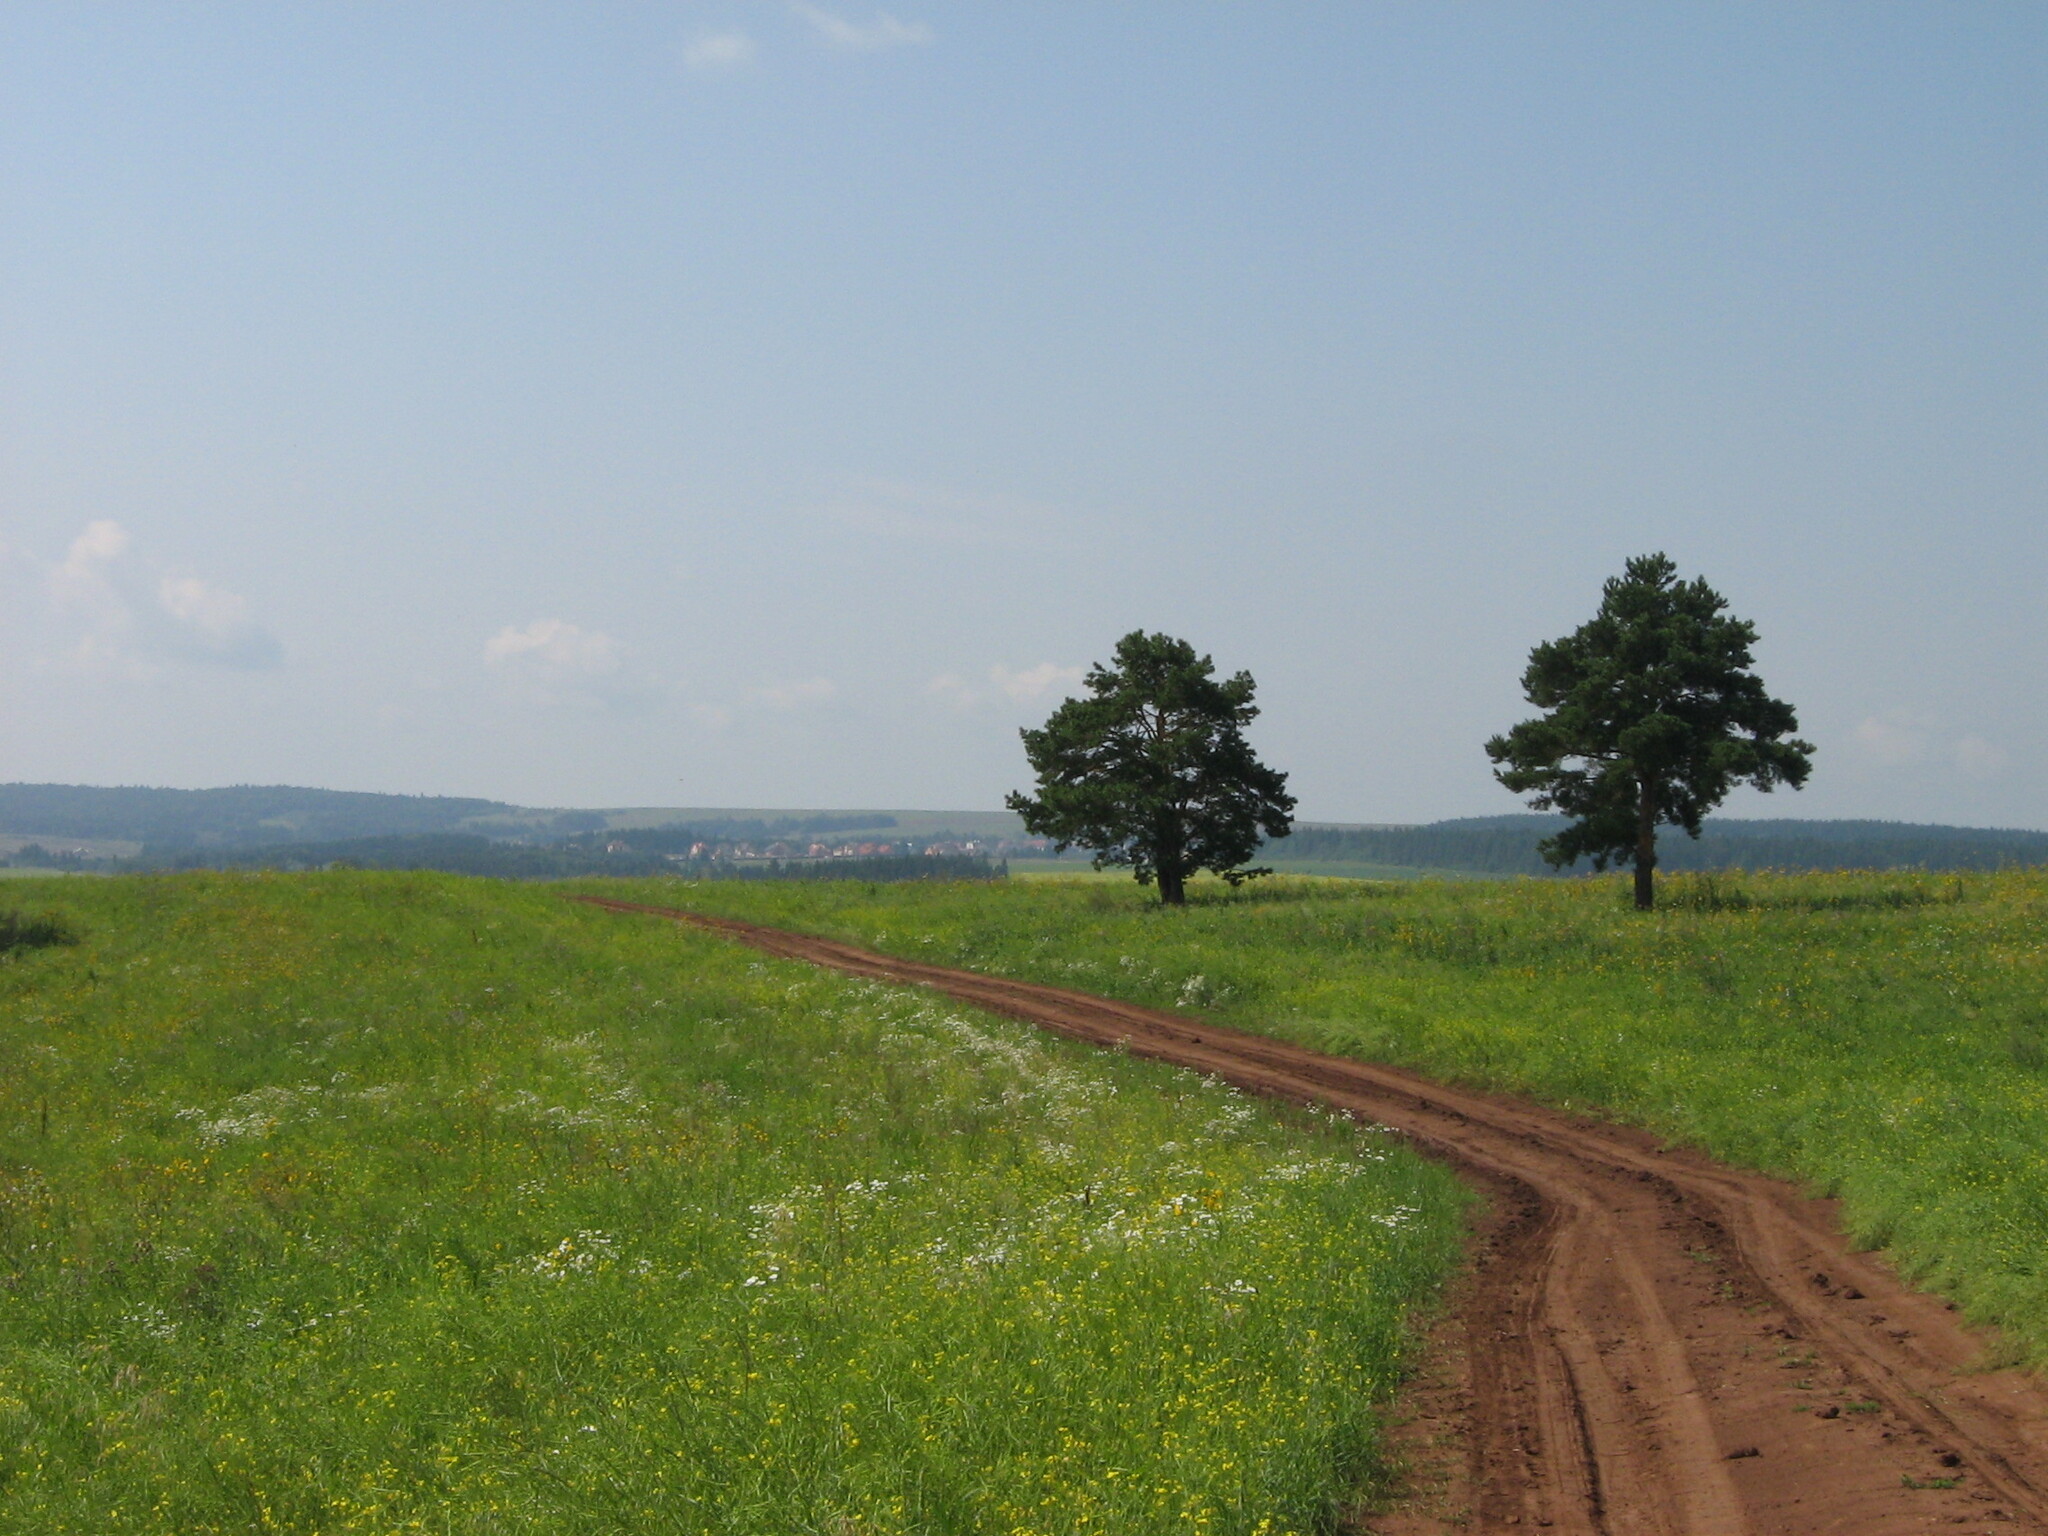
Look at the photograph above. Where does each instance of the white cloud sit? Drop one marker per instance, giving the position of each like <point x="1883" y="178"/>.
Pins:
<point x="103" y="542"/>
<point x="554" y="646"/>
<point x="885" y="31"/>
<point x="199" y="622"/>
<point x="127" y="626"/>
<point x="719" y="51"/>
<point x="1894" y="738"/>
<point x="1036" y="682"/>
<point x="1019" y="687"/>
<point x="82" y="589"/>
<point x="954" y="690"/>
<point x="1900" y="739"/>
<point x="1977" y="758"/>
<point x="554" y="662"/>
<point x="814" y="690"/>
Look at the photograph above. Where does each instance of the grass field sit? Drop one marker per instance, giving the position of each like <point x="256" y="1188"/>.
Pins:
<point x="1882" y="1036"/>
<point x="390" y="1203"/>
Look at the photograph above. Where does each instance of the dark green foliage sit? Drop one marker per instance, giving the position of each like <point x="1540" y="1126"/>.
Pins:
<point x="1152" y="770"/>
<point x="20" y="930"/>
<point x="2026" y="1040"/>
<point x="1652" y="715"/>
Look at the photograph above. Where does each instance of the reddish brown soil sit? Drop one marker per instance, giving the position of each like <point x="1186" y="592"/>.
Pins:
<point x="1646" y="1342"/>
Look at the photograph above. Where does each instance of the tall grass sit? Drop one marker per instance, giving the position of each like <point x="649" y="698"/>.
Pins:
<point x="383" y="1203"/>
<point x="1882" y="1036"/>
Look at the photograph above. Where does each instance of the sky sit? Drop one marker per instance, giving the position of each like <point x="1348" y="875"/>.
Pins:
<point x="781" y="404"/>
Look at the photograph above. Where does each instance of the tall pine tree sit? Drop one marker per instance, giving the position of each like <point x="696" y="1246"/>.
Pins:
<point x="1152" y="770"/>
<point x="1651" y="715"/>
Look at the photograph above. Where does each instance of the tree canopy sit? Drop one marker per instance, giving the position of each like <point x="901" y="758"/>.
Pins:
<point x="1152" y="770"/>
<point x="1651" y="715"/>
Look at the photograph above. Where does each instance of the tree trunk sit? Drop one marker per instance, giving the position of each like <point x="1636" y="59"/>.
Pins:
<point x="1170" y="831"/>
<point x="1646" y="849"/>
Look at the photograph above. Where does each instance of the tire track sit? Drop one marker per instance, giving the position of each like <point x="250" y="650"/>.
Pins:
<point x="1647" y="1341"/>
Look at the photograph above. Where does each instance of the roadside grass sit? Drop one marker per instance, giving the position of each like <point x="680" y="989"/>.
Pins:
<point x="390" y="1202"/>
<point x="1881" y="1036"/>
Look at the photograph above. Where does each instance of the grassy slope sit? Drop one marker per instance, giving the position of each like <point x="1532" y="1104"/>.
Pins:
<point x="357" y="1202"/>
<point x="1882" y="1036"/>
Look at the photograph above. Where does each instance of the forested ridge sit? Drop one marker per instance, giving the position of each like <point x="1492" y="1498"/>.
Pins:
<point x="1506" y="845"/>
<point x="241" y="813"/>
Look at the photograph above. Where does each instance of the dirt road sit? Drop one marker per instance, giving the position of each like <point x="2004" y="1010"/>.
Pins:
<point x="1647" y="1341"/>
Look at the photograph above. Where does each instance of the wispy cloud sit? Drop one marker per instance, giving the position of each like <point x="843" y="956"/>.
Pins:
<point x="83" y="590"/>
<point x="1894" y="738"/>
<point x="927" y="514"/>
<point x="556" y="645"/>
<point x="1035" y="682"/>
<point x="716" y="51"/>
<point x="1976" y="758"/>
<point x="1899" y="738"/>
<point x="128" y="624"/>
<point x="951" y="688"/>
<point x="208" y="624"/>
<point x="798" y="695"/>
<point x="102" y="543"/>
<point x="554" y="662"/>
<point x="884" y="32"/>
<point x="1021" y="687"/>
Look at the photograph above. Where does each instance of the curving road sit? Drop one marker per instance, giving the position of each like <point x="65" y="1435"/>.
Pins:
<point x="1647" y="1342"/>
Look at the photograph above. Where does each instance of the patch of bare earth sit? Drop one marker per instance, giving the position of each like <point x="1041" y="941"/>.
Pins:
<point x="1646" y="1341"/>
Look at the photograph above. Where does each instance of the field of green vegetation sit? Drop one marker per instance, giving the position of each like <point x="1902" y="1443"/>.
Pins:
<point x="1883" y="1037"/>
<point x="386" y="1203"/>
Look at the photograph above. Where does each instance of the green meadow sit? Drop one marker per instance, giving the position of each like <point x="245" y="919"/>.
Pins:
<point x="358" y="1202"/>
<point x="1881" y="1037"/>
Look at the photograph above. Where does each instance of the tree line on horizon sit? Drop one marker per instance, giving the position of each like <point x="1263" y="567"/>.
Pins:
<point x="467" y="853"/>
<point x="1512" y="846"/>
<point x="1491" y="846"/>
<point x="240" y="813"/>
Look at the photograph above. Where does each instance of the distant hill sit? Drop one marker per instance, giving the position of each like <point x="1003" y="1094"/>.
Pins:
<point x="74" y="826"/>
<point x="188" y="826"/>
<point x="1506" y="845"/>
<point x="245" y="813"/>
<point x="249" y="814"/>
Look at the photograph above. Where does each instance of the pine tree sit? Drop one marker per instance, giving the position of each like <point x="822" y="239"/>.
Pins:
<point x="1152" y="770"/>
<point x="1652" y="715"/>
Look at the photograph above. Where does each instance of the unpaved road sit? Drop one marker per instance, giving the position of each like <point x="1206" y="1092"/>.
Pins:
<point x="1648" y="1342"/>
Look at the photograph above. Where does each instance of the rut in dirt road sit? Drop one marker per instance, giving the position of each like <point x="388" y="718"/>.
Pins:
<point x="1648" y="1341"/>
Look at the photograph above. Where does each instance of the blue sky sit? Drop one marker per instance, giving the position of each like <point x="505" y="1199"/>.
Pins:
<point x="779" y="404"/>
